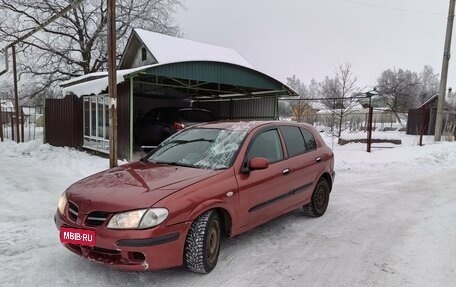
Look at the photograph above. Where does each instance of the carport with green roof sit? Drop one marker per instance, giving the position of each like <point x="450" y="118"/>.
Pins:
<point x="227" y="86"/>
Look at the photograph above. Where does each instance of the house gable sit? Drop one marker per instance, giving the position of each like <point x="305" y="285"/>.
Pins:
<point x="164" y="49"/>
<point x="136" y="54"/>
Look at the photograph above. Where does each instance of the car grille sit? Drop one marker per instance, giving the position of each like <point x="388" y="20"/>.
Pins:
<point x="104" y="251"/>
<point x="96" y="218"/>
<point x="73" y="211"/>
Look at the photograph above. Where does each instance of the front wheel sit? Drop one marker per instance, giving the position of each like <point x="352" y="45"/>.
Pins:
<point x="202" y="245"/>
<point x="320" y="198"/>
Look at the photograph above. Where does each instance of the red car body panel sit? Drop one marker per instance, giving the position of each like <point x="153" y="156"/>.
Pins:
<point x="248" y="199"/>
<point x="137" y="184"/>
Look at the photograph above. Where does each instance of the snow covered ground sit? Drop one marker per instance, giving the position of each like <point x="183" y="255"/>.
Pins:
<point x="406" y="140"/>
<point x="391" y="221"/>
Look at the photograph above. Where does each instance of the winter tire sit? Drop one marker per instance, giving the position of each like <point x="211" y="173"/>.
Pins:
<point x="320" y="198"/>
<point x="202" y="245"/>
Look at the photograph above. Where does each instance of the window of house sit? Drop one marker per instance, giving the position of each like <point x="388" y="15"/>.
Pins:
<point x="293" y="140"/>
<point x="267" y="145"/>
<point x="309" y="139"/>
<point x="143" y="54"/>
<point x="96" y="122"/>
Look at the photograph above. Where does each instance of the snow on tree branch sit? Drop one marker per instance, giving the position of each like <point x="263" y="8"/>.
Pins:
<point x="76" y="43"/>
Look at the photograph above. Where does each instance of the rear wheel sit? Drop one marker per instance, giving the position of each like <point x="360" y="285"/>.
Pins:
<point x="320" y="198"/>
<point x="202" y="245"/>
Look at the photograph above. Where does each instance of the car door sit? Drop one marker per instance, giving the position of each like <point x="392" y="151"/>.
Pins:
<point x="303" y="160"/>
<point x="263" y="192"/>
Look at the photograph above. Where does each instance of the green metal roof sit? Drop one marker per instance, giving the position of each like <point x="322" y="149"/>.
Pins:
<point x="196" y="73"/>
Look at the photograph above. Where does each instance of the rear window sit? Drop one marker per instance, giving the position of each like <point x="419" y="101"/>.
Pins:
<point x="161" y="114"/>
<point x="293" y="140"/>
<point x="198" y="116"/>
<point x="309" y="139"/>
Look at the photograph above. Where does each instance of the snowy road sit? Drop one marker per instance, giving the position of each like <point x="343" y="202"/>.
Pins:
<point x="391" y="222"/>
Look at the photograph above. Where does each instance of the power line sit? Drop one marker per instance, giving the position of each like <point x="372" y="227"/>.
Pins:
<point x="393" y="8"/>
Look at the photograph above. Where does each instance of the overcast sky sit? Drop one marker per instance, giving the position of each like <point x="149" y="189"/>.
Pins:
<point x="310" y="38"/>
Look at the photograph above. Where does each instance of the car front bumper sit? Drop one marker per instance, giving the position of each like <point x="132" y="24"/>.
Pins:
<point x="134" y="250"/>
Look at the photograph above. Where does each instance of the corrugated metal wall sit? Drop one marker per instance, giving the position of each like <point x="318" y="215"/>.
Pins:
<point x="123" y="120"/>
<point x="64" y="117"/>
<point x="419" y="119"/>
<point x="63" y="122"/>
<point x="232" y="109"/>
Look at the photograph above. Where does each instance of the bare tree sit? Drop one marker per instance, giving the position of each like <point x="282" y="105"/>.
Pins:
<point x="299" y="106"/>
<point x="400" y="89"/>
<point x="429" y="83"/>
<point x="451" y="100"/>
<point x="339" y="92"/>
<point x="450" y="117"/>
<point x="314" y="89"/>
<point x="76" y="44"/>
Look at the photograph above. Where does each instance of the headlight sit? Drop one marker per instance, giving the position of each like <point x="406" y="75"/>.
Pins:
<point x="138" y="219"/>
<point x="62" y="203"/>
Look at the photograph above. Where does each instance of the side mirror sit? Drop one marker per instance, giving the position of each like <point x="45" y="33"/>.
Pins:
<point x="258" y="163"/>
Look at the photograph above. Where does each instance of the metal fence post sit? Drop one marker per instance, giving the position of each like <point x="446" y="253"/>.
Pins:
<point x="423" y="116"/>
<point x="369" y="129"/>
<point x="12" y="125"/>
<point x="1" y="123"/>
<point x="22" y="126"/>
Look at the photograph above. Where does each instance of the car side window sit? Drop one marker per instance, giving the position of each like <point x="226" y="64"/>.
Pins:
<point x="267" y="145"/>
<point x="293" y="140"/>
<point x="150" y="116"/>
<point x="309" y="139"/>
<point x="160" y="115"/>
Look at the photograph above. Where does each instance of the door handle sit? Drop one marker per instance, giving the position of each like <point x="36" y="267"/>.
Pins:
<point x="318" y="159"/>
<point x="286" y="171"/>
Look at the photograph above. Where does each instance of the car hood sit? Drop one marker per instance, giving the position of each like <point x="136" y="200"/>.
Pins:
<point x="132" y="186"/>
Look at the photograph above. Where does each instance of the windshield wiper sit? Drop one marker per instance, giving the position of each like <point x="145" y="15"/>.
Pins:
<point x="191" y="141"/>
<point x="174" y="163"/>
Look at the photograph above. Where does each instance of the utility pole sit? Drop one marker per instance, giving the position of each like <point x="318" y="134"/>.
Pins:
<point x="444" y="73"/>
<point x="12" y="45"/>
<point x="112" y="80"/>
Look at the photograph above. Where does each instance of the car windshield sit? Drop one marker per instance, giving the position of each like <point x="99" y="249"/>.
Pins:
<point x="199" y="148"/>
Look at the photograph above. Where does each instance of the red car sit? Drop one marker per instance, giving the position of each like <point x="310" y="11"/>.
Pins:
<point x="211" y="180"/>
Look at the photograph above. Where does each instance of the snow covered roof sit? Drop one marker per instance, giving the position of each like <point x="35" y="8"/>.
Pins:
<point x="168" y="49"/>
<point x="428" y="101"/>
<point x="6" y="104"/>
<point x="84" y="77"/>
<point x="352" y="108"/>
<point x="317" y="105"/>
<point x="95" y="86"/>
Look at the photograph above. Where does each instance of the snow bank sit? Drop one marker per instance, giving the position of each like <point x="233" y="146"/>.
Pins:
<point x="62" y="160"/>
<point x="436" y="156"/>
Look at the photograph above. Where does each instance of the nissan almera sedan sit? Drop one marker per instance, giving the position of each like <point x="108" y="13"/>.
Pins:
<point x="172" y="207"/>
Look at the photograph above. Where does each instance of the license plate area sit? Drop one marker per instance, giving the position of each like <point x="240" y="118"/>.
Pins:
<point x="77" y="236"/>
